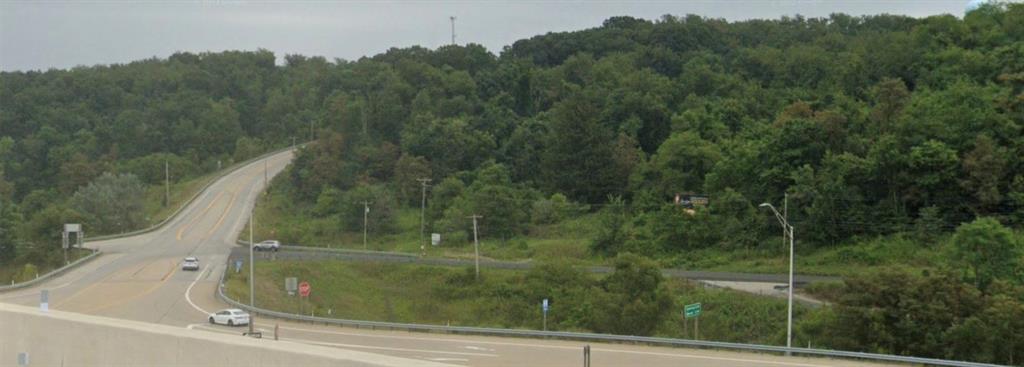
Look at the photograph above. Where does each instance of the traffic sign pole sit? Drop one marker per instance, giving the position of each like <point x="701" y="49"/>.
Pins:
<point x="544" y="307"/>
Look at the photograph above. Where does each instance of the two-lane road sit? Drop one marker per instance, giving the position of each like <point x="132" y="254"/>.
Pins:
<point x="139" y="278"/>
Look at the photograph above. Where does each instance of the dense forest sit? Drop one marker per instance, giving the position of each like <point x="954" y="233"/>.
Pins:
<point x="872" y="127"/>
<point x="81" y="145"/>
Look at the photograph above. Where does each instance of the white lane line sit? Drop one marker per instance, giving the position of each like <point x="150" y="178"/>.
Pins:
<point x="340" y="345"/>
<point x="528" y="345"/>
<point x="744" y="360"/>
<point x="394" y="349"/>
<point x="188" y="296"/>
<point x="445" y="359"/>
<point x="482" y="349"/>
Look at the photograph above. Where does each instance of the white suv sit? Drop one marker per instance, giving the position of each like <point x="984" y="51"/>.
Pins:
<point x="268" y="245"/>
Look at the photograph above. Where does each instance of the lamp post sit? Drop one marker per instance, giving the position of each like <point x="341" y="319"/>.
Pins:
<point x="786" y="227"/>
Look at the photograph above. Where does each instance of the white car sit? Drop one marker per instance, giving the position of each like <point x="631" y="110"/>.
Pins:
<point x="268" y="245"/>
<point x="230" y="317"/>
<point x="190" y="263"/>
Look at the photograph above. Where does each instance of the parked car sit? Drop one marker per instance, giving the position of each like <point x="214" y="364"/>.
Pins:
<point x="190" y="263"/>
<point x="268" y="245"/>
<point x="230" y="317"/>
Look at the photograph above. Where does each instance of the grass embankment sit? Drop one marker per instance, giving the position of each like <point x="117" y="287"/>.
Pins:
<point x="279" y="217"/>
<point x="17" y="273"/>
<point x="450" y="296"/>
<point x="181" y="192"/>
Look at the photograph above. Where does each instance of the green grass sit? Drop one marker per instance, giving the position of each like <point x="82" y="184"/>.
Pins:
<point x="20" y="272"/>
<point x="278" y="217"/>
<point x="180" y="192"/>
<point x="851" y="259"/>
<point x="450" y="296"/>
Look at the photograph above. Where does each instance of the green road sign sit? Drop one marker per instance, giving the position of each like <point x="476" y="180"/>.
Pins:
<point x="692" y="311"/>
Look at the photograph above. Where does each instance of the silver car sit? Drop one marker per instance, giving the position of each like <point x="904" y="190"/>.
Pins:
<point x="190" y="263"/>
<point x="268" y="245"/>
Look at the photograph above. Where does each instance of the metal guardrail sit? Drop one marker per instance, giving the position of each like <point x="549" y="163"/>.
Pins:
<point x="592" y="337"/>
<point x="51" y="274"/>
<point x="304" y="253"/>
<point x="184" y="205"/>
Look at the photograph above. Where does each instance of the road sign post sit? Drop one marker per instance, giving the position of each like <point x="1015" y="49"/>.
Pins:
<point x="291" y="284"/>
<point x="693" y="311"/>
<point x="44" y="300"/>
<point x="544" y="306"/>
<point x="304" y="290"/>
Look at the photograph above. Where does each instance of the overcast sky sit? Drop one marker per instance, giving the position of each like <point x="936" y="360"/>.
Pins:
<point x="43" y="35"/>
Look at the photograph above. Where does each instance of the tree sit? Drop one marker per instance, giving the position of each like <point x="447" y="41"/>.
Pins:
<point x="985" y="167"/>
<point x="579" y="160"/>
<point x="679" y="165"/>
<point x="611" y="233"/>
<point x="633" y="300"/>
<point x="382" y="217"/>
<point x="10" y="219"/>
<point x="988" y="250"/>
<point x="408" y="170"/>
<point x="111" y="203"/>
<point x="504" y="206"/>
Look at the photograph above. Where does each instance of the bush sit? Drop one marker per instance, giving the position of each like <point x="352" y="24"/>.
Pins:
<point x="29" y="272"/>
<point x="554" y="209"/>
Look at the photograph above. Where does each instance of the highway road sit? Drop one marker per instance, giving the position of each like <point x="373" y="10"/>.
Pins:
<point x="139" y="278"/>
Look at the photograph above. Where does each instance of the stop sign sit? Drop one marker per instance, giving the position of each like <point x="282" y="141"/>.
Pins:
<point x="304" y="289"/>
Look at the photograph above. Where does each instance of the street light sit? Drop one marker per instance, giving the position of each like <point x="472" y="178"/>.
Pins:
<point x="786" y="227"/>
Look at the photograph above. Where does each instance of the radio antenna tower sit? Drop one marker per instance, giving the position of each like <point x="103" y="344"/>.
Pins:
<point x="452" y="18"/>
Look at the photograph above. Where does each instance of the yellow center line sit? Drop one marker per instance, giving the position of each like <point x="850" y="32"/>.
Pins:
<point x="194" y="219"/>
<point x="174" y="268"/>
<point x="223" y="215"/>
<point x="93" y="285"/>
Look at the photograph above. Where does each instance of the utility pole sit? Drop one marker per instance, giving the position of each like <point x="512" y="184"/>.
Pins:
<point x="423" y="208"/>
<point x="167" y="184"/>
<point x="452" y="18"/>
<point x="252" y="265"/>
<point x="312" y="133"/>
<point x="476" y="244"/>
<point x="293" y="142"/>
<point x="366" y="214"/>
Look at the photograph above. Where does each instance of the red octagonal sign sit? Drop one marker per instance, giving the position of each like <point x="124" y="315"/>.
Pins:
<point x="304" y="289"/>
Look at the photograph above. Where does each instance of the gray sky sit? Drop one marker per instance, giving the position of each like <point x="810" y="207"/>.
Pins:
<point x="43" y="35"/>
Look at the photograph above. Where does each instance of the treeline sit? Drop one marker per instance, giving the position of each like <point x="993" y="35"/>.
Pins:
<point x="82" y="145"/>
<point x="872" y="125"/>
